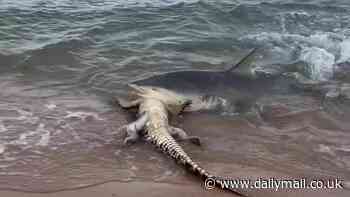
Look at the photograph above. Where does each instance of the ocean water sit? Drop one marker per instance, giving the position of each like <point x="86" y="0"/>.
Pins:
<point x="62" y="61"/>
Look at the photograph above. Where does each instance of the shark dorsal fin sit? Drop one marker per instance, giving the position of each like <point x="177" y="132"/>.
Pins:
<point x="244" y="65"/>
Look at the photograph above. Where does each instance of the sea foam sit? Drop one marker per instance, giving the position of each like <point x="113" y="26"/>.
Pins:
<point x="320" y="63"/>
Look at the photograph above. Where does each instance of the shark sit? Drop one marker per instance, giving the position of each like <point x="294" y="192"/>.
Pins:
<point x="238" y="87"/>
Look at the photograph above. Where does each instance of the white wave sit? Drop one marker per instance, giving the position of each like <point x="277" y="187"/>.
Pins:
<point x="344" y="148"/>
<point x="15" y="173"/>
<point x="2" y="148"/>
<point x="22" y="140"/>
<point x="319" y="50"/>
<point x="45" y="135"/>
<point x="344" y="51"/>
<point x="325" y="149"/>
<point x="326" y="40"/>
<point x="39" y="137"/>
<point x="2" y="127"/>
<point x="320" y="63"/>
<point x="297" y="13"/>
<point x="292" y="14"/>
<point x="82" y="115"/>
<point x="50" y="106"/>
<point x="27" y="117"/>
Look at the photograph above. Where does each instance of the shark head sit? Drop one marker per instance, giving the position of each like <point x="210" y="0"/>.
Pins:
<point x="174" y="102"/>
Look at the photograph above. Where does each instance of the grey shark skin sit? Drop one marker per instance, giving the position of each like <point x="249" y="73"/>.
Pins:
<point x="239" y="85"/>
<point x="154" y="107"/>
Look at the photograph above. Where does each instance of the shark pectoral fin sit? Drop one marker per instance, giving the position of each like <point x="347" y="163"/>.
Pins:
<point x="128" y="104"/>
<point x="133" y="129"/>
<point x="180" y="134"/>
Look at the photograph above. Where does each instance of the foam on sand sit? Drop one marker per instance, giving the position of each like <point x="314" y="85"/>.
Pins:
<point x="2" y="148"/>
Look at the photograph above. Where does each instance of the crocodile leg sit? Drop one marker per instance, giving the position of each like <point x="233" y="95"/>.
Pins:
<point x="133" y="129"/>
<point x="182" y="135"/>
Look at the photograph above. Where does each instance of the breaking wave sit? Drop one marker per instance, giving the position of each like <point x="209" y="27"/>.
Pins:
<point x="321" y="51"/>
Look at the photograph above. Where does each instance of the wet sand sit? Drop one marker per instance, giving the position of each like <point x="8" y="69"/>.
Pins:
<point x="219" y="157"/>
<point x="132" y="189"/>
<point x="126" y="190"/>
<point x="70" y="145"/>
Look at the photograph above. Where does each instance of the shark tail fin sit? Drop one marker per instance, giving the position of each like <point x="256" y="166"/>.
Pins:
<point x="243" y="66"/>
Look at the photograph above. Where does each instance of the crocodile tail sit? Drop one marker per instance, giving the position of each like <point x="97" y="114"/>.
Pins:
<point x="206" y="176"/>
<point x="169" y="146"/>
<point x="219" y="181"/>
<point x="196" y="169"/>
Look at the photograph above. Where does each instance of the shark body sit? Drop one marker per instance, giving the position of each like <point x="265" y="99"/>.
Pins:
<point x="240" y="85"/>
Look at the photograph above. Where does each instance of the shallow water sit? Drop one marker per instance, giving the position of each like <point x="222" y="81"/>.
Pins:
<point x="62" y="62"/>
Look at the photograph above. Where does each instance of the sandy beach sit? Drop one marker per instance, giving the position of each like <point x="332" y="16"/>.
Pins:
<point x="164" y="189"/>
<point x="166" y="178"/>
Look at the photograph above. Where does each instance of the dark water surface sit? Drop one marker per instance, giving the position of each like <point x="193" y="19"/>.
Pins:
<point x="62" y="61"/>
